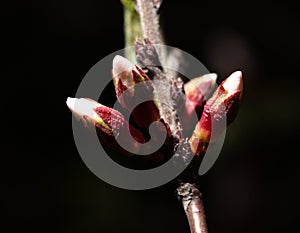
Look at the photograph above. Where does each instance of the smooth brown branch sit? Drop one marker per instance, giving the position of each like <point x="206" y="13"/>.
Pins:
<point x="191" y="199"/>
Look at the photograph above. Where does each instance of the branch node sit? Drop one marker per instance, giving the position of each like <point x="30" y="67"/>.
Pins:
<point x="191" y="199"/>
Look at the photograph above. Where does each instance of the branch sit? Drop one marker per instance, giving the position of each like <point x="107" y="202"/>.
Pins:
<point x="149" y="20"/>
<point x="192" y="203"/>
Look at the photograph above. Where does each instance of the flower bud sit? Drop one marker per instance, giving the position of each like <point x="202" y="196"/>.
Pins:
<point x="198" y="89"/>
<point x="108" y="122"/>
<point x="126" y="76"/>
<point x="197" y="92"/>
<point x="224" y="103"/>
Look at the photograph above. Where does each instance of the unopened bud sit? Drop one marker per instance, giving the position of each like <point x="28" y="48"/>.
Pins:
<point x="126" y="76"/>
<point x="107" y="121"/>
<point x="197" y="92"/>
<point x="223" y="104"/>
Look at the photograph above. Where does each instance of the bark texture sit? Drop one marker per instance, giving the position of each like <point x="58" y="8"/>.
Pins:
<point x="191" y="199"/>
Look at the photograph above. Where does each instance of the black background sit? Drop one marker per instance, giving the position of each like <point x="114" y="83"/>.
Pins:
<point x="48" y="46"/>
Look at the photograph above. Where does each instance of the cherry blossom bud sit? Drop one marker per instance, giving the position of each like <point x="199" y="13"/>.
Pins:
<point x="224" y="103"/>
<point x="197" y="92"/>
<point x="108" y="122"/>
<point x="126" y="76"/>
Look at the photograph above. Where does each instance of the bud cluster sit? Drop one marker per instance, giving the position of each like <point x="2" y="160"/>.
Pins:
<point x="201" y="99"/>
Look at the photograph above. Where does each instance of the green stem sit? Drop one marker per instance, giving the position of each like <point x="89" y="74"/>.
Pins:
<point x="132" y="28"/>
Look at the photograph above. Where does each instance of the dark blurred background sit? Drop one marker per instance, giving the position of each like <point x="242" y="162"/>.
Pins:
<point x="48" y="47"/>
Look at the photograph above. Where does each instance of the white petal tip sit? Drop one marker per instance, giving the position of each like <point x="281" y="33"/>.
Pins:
<point x="121" y="64"/>
<point x="211" y="76"/>
<point x="71" y="103"/>
<point x="234" y="82"/>
<point x="237" y="74"/>
<point x="118" y="59"/>
<point x="82" y="106"/>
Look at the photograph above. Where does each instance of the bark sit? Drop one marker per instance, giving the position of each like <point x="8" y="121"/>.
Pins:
<point x="191" y="199"/>
<point x="149" y="20"/>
